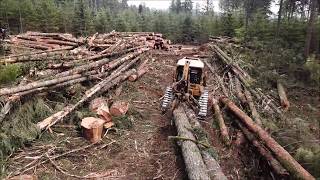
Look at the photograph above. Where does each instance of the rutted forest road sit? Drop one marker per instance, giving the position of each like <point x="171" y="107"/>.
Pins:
<point x="137" y="147"/>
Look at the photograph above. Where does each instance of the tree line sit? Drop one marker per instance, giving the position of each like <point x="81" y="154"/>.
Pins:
<point x="296" y="24"/>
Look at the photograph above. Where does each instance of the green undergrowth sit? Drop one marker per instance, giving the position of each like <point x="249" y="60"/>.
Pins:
<point x="9" y="73"/>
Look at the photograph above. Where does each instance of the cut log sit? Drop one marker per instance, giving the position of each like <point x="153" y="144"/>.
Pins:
<point x="223" y="128"/>
<point x="281" y="154"/>
<point x="119" y="108"/>
<point x="100" y="106"/>
<point x="252" y="107"/>
<point x="283" y="97"/>
<point x="195" y="167"/>
<point x="63" y="43"/>
<point x="92" y="129"/>
<point x="83" y="68"/>
<point x="213" y="168"/>
<point x="139" y="73"/>
<point x="273" y="163"/>
<point x="24" y="177"/>
<point x="38" y="84"/>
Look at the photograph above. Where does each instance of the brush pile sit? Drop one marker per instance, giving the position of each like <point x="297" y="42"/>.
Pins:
<point x="235" y="89"/>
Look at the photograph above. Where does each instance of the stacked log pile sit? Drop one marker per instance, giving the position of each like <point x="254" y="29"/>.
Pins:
<point x="104" y="59"/>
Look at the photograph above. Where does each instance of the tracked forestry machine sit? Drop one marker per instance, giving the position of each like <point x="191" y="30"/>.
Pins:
<point x="189" y="85"/>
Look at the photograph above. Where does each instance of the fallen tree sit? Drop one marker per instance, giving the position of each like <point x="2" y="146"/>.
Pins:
<point x="195" y="167"/>
<point x="282" y="155"/>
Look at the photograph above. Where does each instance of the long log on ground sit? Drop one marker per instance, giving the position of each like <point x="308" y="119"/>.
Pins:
<point x="38" y="84"/>
<point x="34" y="57"/>
<point x="63" y="43"/>
<point x="83" y="68"/>
<point x="252" y="107"/>
<point x="273" y="163"/>
<point x="38" y="52"/>
<point x="223" y="128"/>
<point x="283" y="97"/>
<point x="217" y="77"/>
<point x="213" y="167"/>
<point x="281" y="154"/>
<point x="195" y="166"/>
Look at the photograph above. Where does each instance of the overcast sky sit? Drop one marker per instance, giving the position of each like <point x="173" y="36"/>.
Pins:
<point x="165" y="4"/>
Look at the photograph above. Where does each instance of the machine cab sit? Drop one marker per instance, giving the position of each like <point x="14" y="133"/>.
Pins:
<point x="191" y="70"/>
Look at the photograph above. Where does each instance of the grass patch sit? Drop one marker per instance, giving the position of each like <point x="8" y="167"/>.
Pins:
<point x="9" y="73"/>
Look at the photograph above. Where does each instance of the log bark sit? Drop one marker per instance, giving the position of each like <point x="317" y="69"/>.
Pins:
<point x="223" y="128"/>
<point x="139" y="73"/>
<point x="213" y="167"/>
<point x="38" y="84"/>
<point x="119" y="108"/>
<point x="83" y="68"/>
<point x="63" y="43"/>
<point x="252" y="107"/>
<point x="273" y="163"/>
<point x="195" y="166"/>
<point x="283" y="97"/>
<point x="281" y="154"/>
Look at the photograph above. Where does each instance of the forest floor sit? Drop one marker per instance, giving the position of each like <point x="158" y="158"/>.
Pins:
<point x="139" y="147"/>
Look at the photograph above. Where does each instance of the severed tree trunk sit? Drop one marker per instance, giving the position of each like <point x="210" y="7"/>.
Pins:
<point x="239" y="92"/>
<point x="38" y="84"/>
<point x="282" y="155"/>
<point x="223" y="128"/>
<point x="283" y="97"/>
<point x="195" y="166"/>
<point x="139" y="73"/>
<point x="273" y="163"/>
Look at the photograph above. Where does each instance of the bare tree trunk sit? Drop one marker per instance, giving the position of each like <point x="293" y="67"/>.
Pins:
<point x="279" y="18"/>
<point x="311" y="28"/>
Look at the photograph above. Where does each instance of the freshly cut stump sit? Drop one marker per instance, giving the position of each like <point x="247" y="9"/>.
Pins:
<point x="92" y="128"/>
<point x="119" y="108"/>
<point x="100" y="106"/>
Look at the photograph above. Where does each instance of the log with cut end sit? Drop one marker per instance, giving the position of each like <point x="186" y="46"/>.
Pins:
<point x="139" y="73"/>
<point x="92" y="128"/>
<point x="283" y="97"/>
<point x="281" y="154"/>
<point x="195" y="167"/>
<point x="223" y="128"/>
<point x="37" y="84"/>
<point x="100" y="106"/>
<point x="273" y="163"/>
<point x="119" y="108"/>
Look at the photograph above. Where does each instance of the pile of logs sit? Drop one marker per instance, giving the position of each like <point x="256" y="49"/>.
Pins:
<point x="104" y="59"/>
